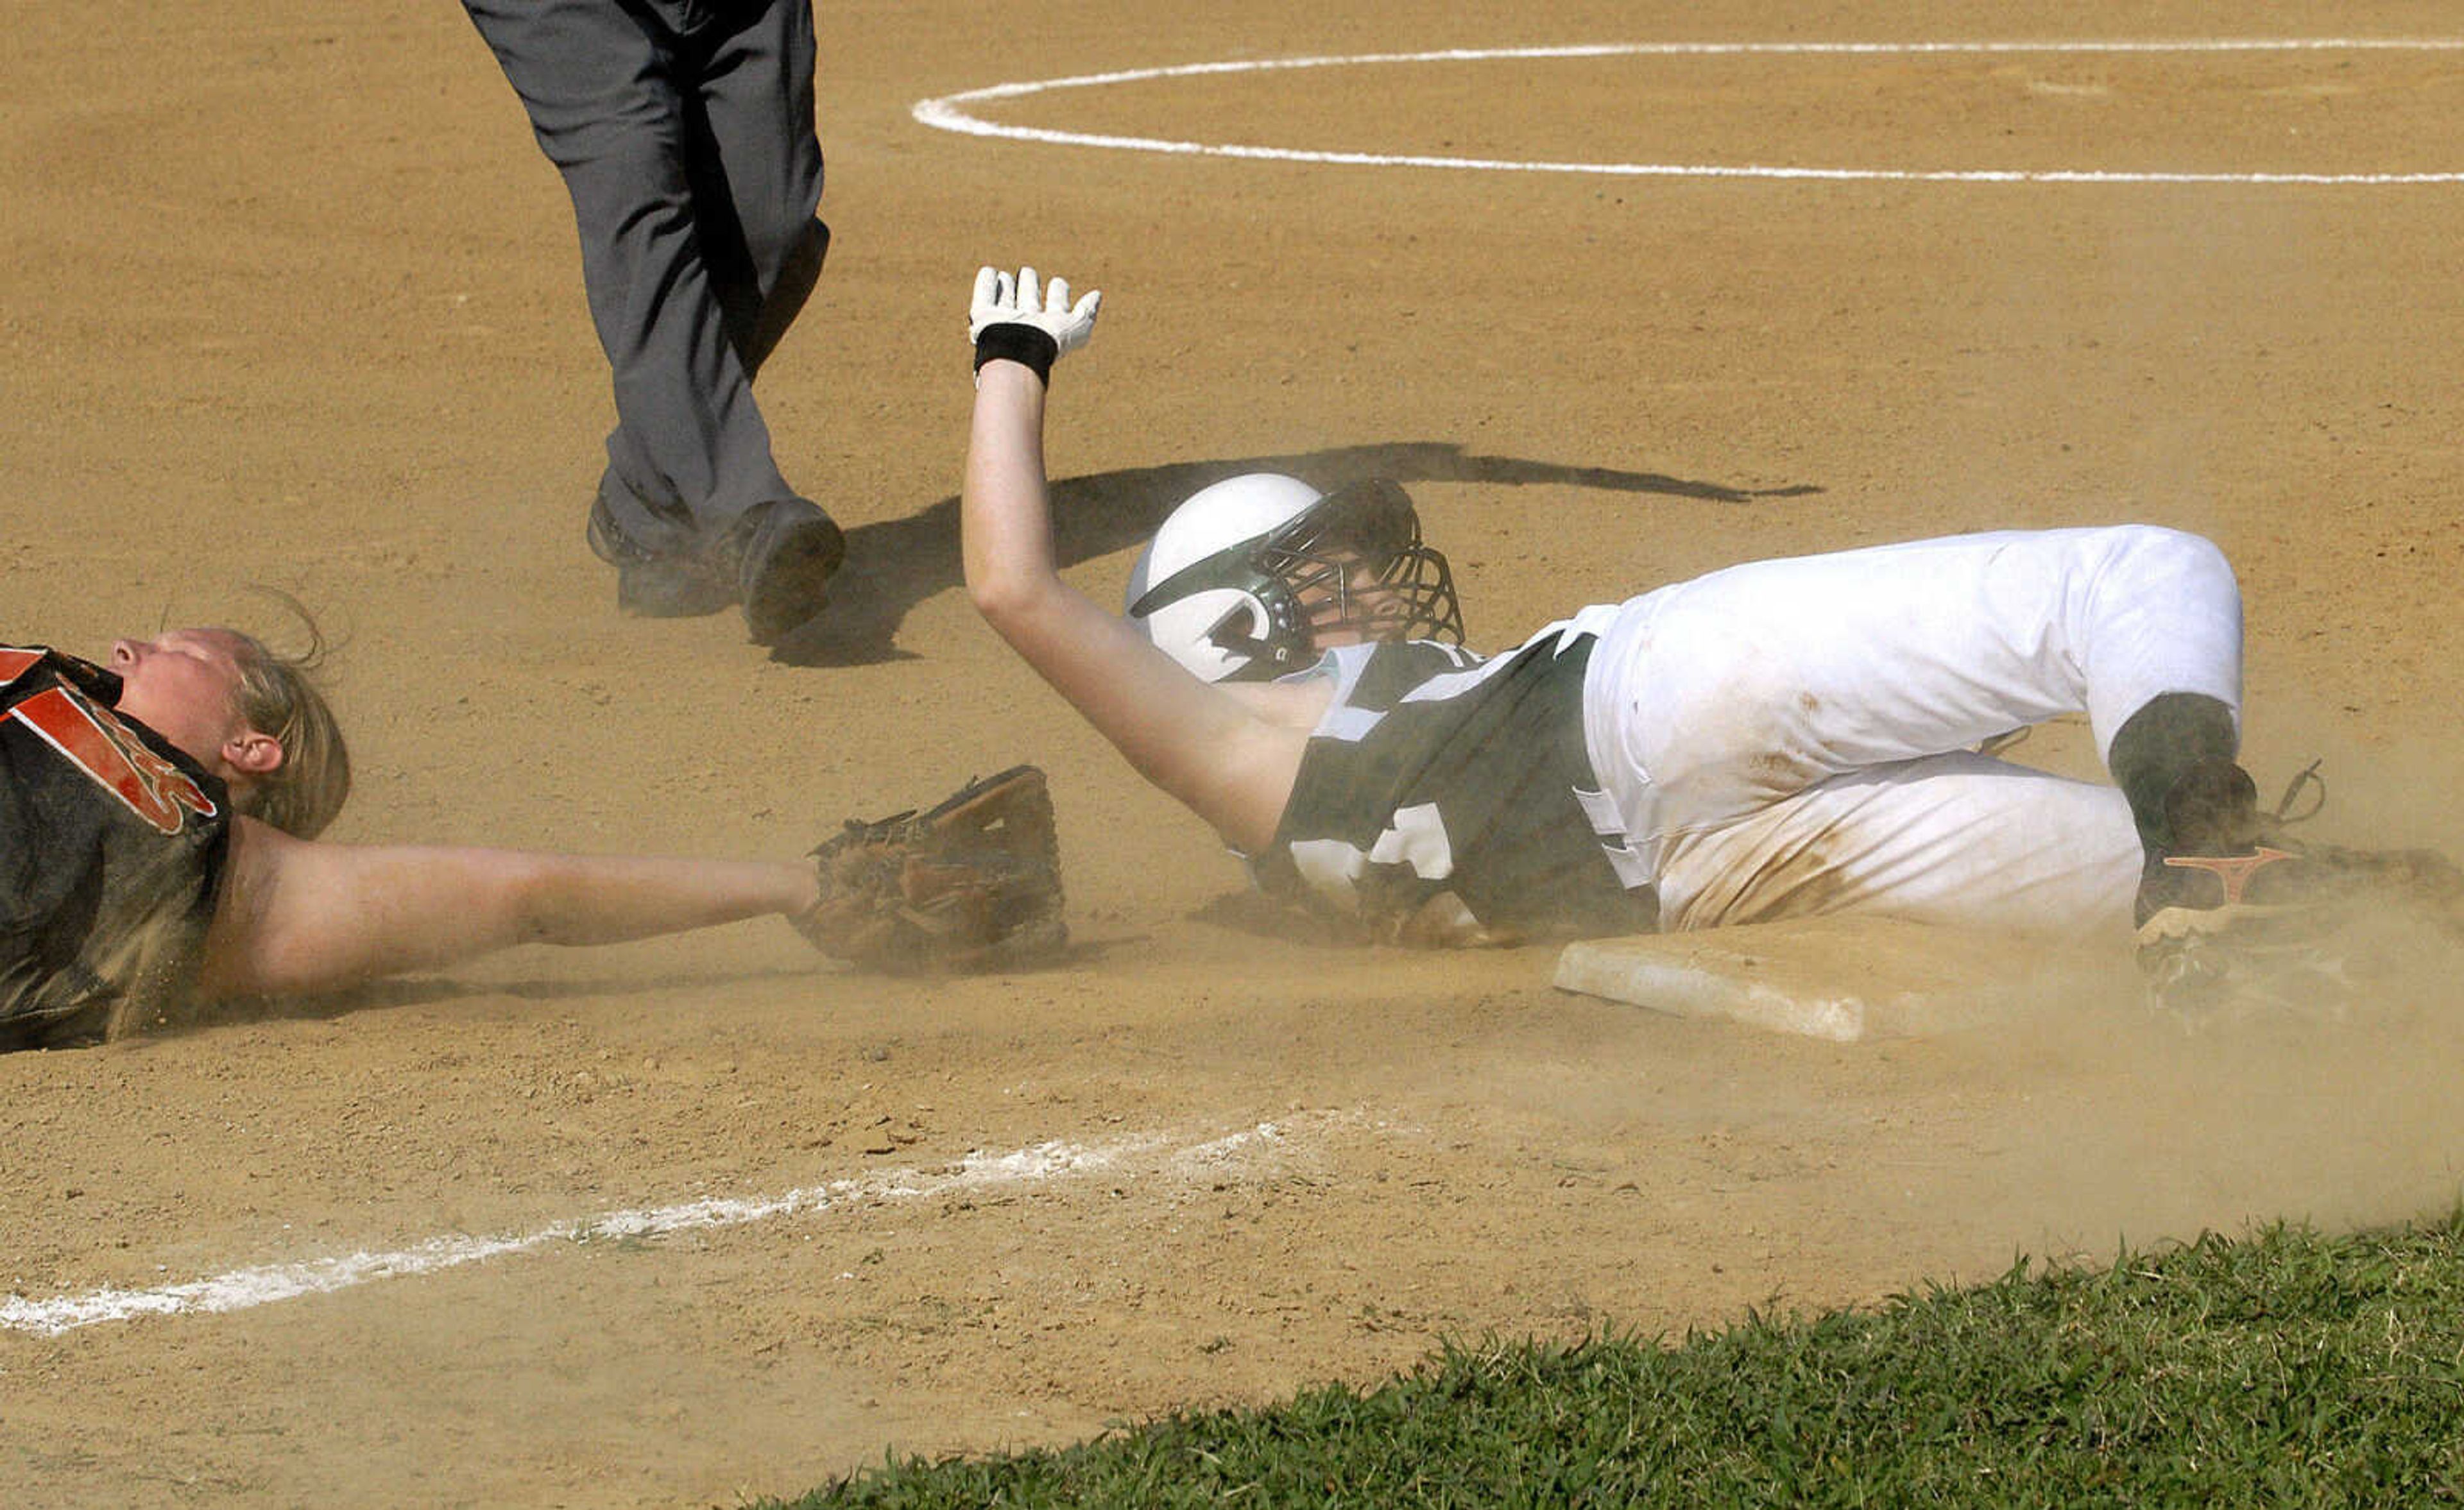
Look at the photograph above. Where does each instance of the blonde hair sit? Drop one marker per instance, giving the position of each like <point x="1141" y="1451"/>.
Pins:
<point x="279" y="696"/>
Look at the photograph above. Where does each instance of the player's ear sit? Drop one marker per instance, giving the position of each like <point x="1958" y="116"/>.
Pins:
<point x="252" y="753"/>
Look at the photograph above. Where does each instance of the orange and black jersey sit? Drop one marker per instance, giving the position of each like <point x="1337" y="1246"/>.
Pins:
<point x="1447" y="799"/>
<point x="112" y="846"/>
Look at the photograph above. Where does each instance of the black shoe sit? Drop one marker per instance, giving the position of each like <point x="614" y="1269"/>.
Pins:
<point x="776" y="559"/>
<point x="653" y="584"/>
<point x="783" y="553"/>
<point x="2233" y="909"/>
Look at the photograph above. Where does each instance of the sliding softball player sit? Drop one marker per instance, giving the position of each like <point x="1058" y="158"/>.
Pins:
<point x="1782" y="738"/>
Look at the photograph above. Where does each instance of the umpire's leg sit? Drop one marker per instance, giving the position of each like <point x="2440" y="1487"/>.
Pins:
<point x="690" y="452"/>
<point x="757" y="175"/>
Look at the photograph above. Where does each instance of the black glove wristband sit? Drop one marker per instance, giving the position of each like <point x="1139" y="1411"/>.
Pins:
<point x="1035" y="348"/>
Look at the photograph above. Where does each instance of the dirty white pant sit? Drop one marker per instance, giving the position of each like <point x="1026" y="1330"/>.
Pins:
<point x="1792" y="737"/>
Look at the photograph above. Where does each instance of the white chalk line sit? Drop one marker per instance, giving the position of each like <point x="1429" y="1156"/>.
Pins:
<point x="241" y="1289"/>
<point x="949" y="112"/>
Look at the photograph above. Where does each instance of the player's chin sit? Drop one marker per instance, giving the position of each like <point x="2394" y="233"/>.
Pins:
<point x="1379" y="630"/>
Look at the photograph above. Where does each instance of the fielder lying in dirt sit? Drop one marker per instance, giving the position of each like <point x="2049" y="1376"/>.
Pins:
<point x="159" y="851"/>
<point x="1781" y="738"/>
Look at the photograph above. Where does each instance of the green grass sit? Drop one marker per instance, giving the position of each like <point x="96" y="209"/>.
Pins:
<point x="2287" y="1367"/>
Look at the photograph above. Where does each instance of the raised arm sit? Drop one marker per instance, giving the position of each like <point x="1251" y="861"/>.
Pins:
<point x="1228" y="754"/>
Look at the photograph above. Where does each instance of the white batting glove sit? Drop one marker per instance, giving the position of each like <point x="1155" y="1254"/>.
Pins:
<point x="1015" y="319"/>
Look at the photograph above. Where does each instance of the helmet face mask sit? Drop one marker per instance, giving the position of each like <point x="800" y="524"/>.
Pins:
<point x="1355" y="566"/>
<point x="1253" y="577"/>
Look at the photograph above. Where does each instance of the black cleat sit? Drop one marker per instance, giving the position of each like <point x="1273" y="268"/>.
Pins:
<point x="777" y="560"/>
<point x="2234" y="912"/>
<point x="786" y="553"/>
<point x="653" y="585"/>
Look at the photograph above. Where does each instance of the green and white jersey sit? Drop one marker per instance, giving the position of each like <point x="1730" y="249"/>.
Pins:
<point x="1447" y="799"/>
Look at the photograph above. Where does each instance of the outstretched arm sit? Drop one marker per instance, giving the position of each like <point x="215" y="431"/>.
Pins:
<point x="1229" y="755"/>
<point x="297" y="915"/>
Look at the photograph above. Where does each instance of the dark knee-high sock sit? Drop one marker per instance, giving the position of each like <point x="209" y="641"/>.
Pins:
<point x="2170" y="733"/>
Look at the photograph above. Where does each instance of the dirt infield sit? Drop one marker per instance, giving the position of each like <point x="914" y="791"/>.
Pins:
<point x="293" y="299"/>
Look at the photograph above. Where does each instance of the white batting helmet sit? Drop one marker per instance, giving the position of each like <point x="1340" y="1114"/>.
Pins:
<point x="1229" y="584"/>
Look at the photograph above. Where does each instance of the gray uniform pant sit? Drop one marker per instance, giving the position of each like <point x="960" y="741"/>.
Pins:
<point x="684" y="130"/>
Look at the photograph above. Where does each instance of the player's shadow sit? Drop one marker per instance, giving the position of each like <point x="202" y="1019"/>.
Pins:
<point x="409" y="991"/>
<point x="897" y="563"/>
